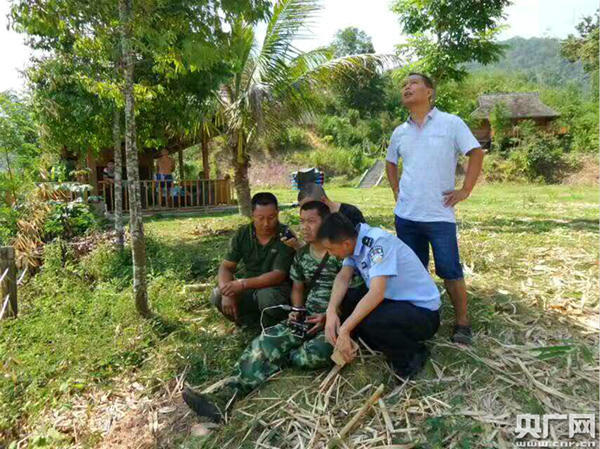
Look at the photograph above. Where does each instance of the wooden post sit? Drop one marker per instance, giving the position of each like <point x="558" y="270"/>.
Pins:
<point x="181" y="171"/>
<point x="91" y="164"/>
<point x="205" y="166"/>
<point x="9" y="285"/>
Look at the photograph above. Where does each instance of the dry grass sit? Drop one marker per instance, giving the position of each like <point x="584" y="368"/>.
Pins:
<point x="532" y="274"/>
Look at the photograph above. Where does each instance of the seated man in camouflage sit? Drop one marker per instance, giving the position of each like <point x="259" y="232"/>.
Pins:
<point x="312" y="273"/>
<point x="266" y="265"/>
<point x="315" y="192"/>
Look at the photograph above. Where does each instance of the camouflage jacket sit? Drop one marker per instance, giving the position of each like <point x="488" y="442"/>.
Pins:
<point x="303" y="268"/>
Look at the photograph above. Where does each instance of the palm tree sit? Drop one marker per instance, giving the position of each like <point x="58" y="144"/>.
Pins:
<point x="273" y="82"/>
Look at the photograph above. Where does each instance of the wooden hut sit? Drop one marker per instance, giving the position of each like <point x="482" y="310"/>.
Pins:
<point x="519" y="106"/>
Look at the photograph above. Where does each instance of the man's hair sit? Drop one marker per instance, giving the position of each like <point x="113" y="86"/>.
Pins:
<point x="320" y="207"/>
<point x="264" y="199"/>
<point x="427" y="81"/>
<point x="108" y="162"/>
<point x="311" y="190"/>
<point x="336" y="228"/>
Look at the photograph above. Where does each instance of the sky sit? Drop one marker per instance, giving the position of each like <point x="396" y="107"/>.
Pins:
<point x="526" y="18"/>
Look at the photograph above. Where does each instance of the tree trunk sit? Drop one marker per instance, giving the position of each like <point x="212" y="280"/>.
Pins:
<point x="241" y="182"/>
<point x="205" y="166"/>
<point x="136" y="226"/>
<point x="118" y="183"/>
<point x="242" y="187"/>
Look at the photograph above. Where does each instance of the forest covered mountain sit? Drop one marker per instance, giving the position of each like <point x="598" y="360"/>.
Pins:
<point x="539" y="59"/>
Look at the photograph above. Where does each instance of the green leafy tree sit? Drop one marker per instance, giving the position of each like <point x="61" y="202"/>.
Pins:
<point x="19" y="151"/>
<point x="585" y="47"/>
<point x="445" y="35"/>
<point x="169" y="43"/>
<point x="365" y="90"/>
<point x="352" y="41"/>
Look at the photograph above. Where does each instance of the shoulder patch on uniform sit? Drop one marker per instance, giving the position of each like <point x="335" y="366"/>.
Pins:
<point x="376" y="255"/>
<point x="367" y="241"/>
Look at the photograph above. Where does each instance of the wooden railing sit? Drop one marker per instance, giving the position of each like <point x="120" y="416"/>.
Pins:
<point x="161" y="195"/>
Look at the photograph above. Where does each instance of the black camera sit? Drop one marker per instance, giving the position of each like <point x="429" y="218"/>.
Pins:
<point x="299" y="327"/>
<point x="288" y="234"/>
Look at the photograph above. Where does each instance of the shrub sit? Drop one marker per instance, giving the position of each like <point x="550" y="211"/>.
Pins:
<point x="67" y="220"/>
<point x="57" y="256"/>
<point x="501" y="125"/>
<point x="544" y="162"/>
<point x="297" y="138"/>
<point x="540" y="154"/>
<point x="292" y="138"/>
<point x="8" y="224"/>
<point x="533" y="155"/>
<point x="376" y="131"/>
<point x="335" y="161"/>
<point x="341" y="129"/>
<point x="357" y="159"/>
<point x="107" y="265"/>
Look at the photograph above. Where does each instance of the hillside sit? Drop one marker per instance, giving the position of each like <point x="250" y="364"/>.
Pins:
<point x="539" y="59"/>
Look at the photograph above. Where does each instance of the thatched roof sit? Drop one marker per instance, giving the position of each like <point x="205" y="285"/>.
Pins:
<point x="519" y="105"/>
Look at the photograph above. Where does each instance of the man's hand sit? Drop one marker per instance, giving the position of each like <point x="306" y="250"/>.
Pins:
<point x="452" y="197"/>
<point x="345" y="345"/>
<point x="332" y="324"/>
<point x="318" y="322"/>
<point x="293" y="316"/>
<point x="232" y="288"/>
<point x="395" y="191"/>
<point x="229" y="306"/>
<point x="292" y="243"/>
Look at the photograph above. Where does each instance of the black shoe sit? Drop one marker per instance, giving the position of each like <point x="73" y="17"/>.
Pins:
<point x="408" y="369"/>
<point x="211" y="406"/>
<point x="462" y="335"/>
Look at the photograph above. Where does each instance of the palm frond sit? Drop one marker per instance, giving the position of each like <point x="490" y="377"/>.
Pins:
<point x="345" y="67"/>
<point x="240" y="46"/>
<point x="276" y="82"/>
<point x="307" y="75"/>
<point x="289" y="20"/>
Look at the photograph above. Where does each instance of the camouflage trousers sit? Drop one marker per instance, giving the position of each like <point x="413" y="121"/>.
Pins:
<point x="275" y="349"/>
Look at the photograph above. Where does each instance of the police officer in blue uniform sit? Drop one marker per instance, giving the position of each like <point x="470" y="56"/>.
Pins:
<point x="399" y="311"/>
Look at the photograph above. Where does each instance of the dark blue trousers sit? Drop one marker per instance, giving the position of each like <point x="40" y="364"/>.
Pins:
<point x="399" y="329"/>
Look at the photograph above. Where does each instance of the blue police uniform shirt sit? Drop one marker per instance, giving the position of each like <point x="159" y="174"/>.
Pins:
<point x="379" y="253"/>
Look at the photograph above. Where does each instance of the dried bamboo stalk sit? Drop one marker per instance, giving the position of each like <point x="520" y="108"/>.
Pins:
<point x="335" y="442"/>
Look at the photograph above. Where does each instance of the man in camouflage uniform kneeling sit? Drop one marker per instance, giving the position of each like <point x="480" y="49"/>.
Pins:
<point x="312" y="273"/>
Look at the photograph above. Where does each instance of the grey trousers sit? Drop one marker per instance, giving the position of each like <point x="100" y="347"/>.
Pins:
<point x="252" y="303"/>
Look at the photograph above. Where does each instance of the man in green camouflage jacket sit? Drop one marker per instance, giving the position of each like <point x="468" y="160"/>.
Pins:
<point x="278" y="346"/>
